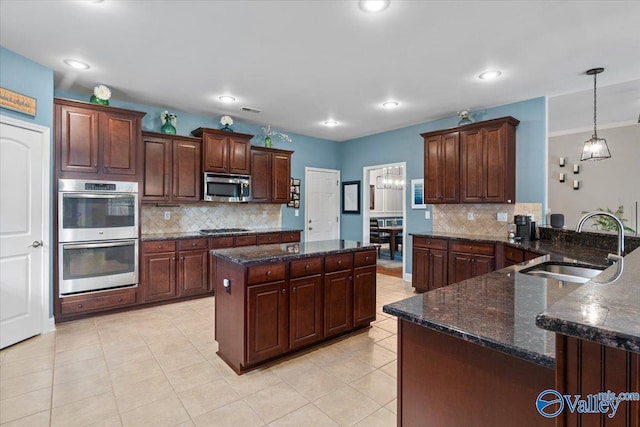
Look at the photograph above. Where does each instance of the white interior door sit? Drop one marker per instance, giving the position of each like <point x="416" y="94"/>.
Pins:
<point x="322" y="204"/>
<point x="24" y="157"/>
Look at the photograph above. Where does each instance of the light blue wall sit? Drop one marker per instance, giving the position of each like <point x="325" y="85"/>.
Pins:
<point x="406" y="145"/>
<point x="308" y="151"/>
<point x="26" y="77"/>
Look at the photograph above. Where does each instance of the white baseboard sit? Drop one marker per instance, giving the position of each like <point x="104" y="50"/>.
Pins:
<point x="49" y="325"/>
<point x="408" y="277"/>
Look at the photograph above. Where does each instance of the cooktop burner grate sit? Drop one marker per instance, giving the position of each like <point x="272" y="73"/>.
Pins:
<point x="221" y="230"/>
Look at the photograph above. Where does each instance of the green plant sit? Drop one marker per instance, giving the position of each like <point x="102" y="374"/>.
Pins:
<point x="607" y="224"/>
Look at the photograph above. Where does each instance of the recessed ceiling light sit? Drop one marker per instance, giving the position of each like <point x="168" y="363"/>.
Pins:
<point x="330" y="123"/>
<point x="390" y="104"/>
<point x="226" y="98"/>
<point x="78" y="65"/>
<point x="490" y="75"/>
<point x="374" y="5"/>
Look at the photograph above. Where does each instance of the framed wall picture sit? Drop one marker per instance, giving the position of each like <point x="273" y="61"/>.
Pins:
<point x="417" y="194"/>
<point x="351" y="197"/>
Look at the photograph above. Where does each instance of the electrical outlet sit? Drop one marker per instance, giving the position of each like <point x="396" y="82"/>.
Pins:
<point x="427" y="215"/>
<point x="264" y="214"/>
<point x="167" y="215"/>
<point x="470" y="216"/>
<point x="502" y="217"/>
<point x="296" y="212"/>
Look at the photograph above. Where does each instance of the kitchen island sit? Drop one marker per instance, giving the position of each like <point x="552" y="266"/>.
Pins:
<point x="273" y="300"/>
<point x="471" y="353"/>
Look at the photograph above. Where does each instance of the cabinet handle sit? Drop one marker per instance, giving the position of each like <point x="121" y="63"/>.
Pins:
<point x="339" y="262"/>
<point x="366" y="258"/>
<point x="357" y="276"/>
<point x="119" y="299"/>
<point x="80" y="305"/>
<point x="95" y="165"/>
<point x="294" y="289"/>
<point x="268" y="273"/>
<point x="284" y="291"/>
<point x="350" y="277"/>
<point x="194" y="244"/>
<point x="306" y="267"/>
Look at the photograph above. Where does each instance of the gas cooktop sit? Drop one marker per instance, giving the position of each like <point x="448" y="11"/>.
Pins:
<point x="222" y="230"/>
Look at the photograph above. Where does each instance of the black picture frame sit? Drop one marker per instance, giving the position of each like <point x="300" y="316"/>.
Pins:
<point x="351" y="197"/>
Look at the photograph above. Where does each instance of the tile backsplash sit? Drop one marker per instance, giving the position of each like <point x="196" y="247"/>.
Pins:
<point x="454" y="218"/>
<point x="194" y="217"/>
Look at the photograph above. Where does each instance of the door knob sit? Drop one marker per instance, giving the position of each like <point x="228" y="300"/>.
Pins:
<point x="36" y="244"/>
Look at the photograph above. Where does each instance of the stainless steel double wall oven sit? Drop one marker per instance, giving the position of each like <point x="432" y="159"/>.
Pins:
<point x="97" y="235"/>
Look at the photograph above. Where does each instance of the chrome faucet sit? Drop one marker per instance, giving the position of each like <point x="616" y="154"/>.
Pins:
<point x="620" y="231"/>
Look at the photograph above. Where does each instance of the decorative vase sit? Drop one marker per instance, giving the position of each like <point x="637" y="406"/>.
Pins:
<point x="95" y="100"/>
<point x="267" y="142"/>
<point x="226" y="128"/>
<point x="168" y="128"/>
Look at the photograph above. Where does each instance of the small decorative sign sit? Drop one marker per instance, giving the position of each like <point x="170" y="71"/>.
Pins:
<point x="17" y="102"/>
<point x="294" y="194"/>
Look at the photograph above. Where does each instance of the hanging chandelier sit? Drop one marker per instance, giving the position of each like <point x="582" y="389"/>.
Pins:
<point x="595" y="148"/>
<point x="390" y="179"/>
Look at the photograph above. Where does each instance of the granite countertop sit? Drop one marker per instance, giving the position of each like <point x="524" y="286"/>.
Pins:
<point x="197" y="234"/>
<point x="498" y="310"/>
<point x="248" y="255"/>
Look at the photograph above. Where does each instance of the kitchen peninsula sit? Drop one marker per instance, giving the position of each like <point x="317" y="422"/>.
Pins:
<point x="273" y="300"/>
<point x="471" y="353"/>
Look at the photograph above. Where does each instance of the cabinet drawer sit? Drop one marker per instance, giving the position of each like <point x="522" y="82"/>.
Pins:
<point x="268" y="238"/>
<point x="266" y="273"/>
<point x="338" y="262"/>
<point x="221" y="242"/>
<point x="246" y="240"/>
<point x="306" y="267"/>
<point x="193" y="244"/>
<point x="290" y="236"/>
<point x="513" y="254"/>
<point x="426" y="242"/>
<point x="364" y="258"/>
<point x="95" y="302"/>
<point x="475" y="248"/>
<point x="159" y="246"/>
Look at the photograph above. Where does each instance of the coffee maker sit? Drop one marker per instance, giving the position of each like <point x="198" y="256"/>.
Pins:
<point x="525" y="228"/>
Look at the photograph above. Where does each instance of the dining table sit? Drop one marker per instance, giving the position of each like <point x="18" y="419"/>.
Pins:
<point x="394" y="231"/>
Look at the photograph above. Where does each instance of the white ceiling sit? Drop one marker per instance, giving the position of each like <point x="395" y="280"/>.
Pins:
<point x="304" y="62"/>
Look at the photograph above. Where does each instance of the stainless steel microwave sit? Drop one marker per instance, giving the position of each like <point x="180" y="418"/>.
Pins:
<point x="226" y="188"/>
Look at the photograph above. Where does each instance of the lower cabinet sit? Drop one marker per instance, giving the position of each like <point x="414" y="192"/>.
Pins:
<point x="430" y="263"/>
<point x="470" y="259"/>
<point x="305" y="311"/>
<point x="97" y="301"/>
<point x="267" y="316"/>
<point x="338" y="294"/>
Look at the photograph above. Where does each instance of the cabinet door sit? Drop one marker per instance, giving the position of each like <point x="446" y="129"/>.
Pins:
<point x="156" y="181"/>
<point x="186" y="171"/>
<point x="450" y="167"/>
<point x="267" y="321"/>
<point x="192" y="273"/>
<point x="216" y="153"/>
<point x="239" y="160"/>
<point x="437" y="272"/>
<point x="159" y="276"/>
<point x="460" y="267"/>
<point x="305" y="311"/>
<point x="78" y="133"/>
<point x="338" y="302"/>
<point x="280" y="178"/>
<point x="495" y="144"/>
<point x="482" y="265"/>
<point x="260" y="176"/>
<point x="472" y="162"/>
<point x="364" y="295"/>
<point x="419" y="278"/>
<point x="119" y="137"/>
<point x="432" y="185"/>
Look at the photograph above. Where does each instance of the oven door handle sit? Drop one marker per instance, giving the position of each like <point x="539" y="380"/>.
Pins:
<point x="98" y="245"/>
<point x="98" y="196"/>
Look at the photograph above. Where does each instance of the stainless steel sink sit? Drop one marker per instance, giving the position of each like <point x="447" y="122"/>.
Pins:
<point x="567" y="272"/>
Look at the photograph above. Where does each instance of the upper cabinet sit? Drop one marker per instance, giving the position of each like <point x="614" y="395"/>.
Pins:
<point x="471" y="164"/>
<point x="95" y="141"/>
<point x="225" y="152"/>
<point x="171" y="170"/>
<point x="270" y="175"/>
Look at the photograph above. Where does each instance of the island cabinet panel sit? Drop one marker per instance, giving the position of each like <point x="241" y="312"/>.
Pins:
<point x="225" y="152"/>
<point x="364" y="295"/>
<point x="585" y="367"/>
<point x="290" y="236"/>
<point x="306" y="311"/>
<point x="338" y="297"/>
<point x="436" y="369"/>
<point x="267" y="319"/>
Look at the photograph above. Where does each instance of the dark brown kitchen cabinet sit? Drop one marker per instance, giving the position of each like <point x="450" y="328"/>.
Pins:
<point x="441" y="168"/>
<point x="305" y="311"/>
<point x="192" y="269"/>
<point x="267" y="315"/>
<point x="487" y="162"/>
<point x="474" y="163"/>
<point x="338" y="294"/>
<point x="270" y="175"/>
<point x="430" y="263"/>
<point x="95" y="141"/>
<point x="171" y="168"/>
<point x="158" y="278"/>
<point x="469" y="259"/>
<point x="225" y="152"/>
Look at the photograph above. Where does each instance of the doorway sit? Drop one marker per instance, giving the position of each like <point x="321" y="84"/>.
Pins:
<point x="385" y="199"/>
<point x="24" y="230"/>
<point x="322" y="204"/>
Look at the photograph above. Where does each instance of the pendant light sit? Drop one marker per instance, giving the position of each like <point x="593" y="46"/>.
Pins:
<point x="595" y="148"/>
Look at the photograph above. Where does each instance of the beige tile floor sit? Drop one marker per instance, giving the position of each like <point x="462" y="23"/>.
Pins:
<point x="158" y="366"/>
